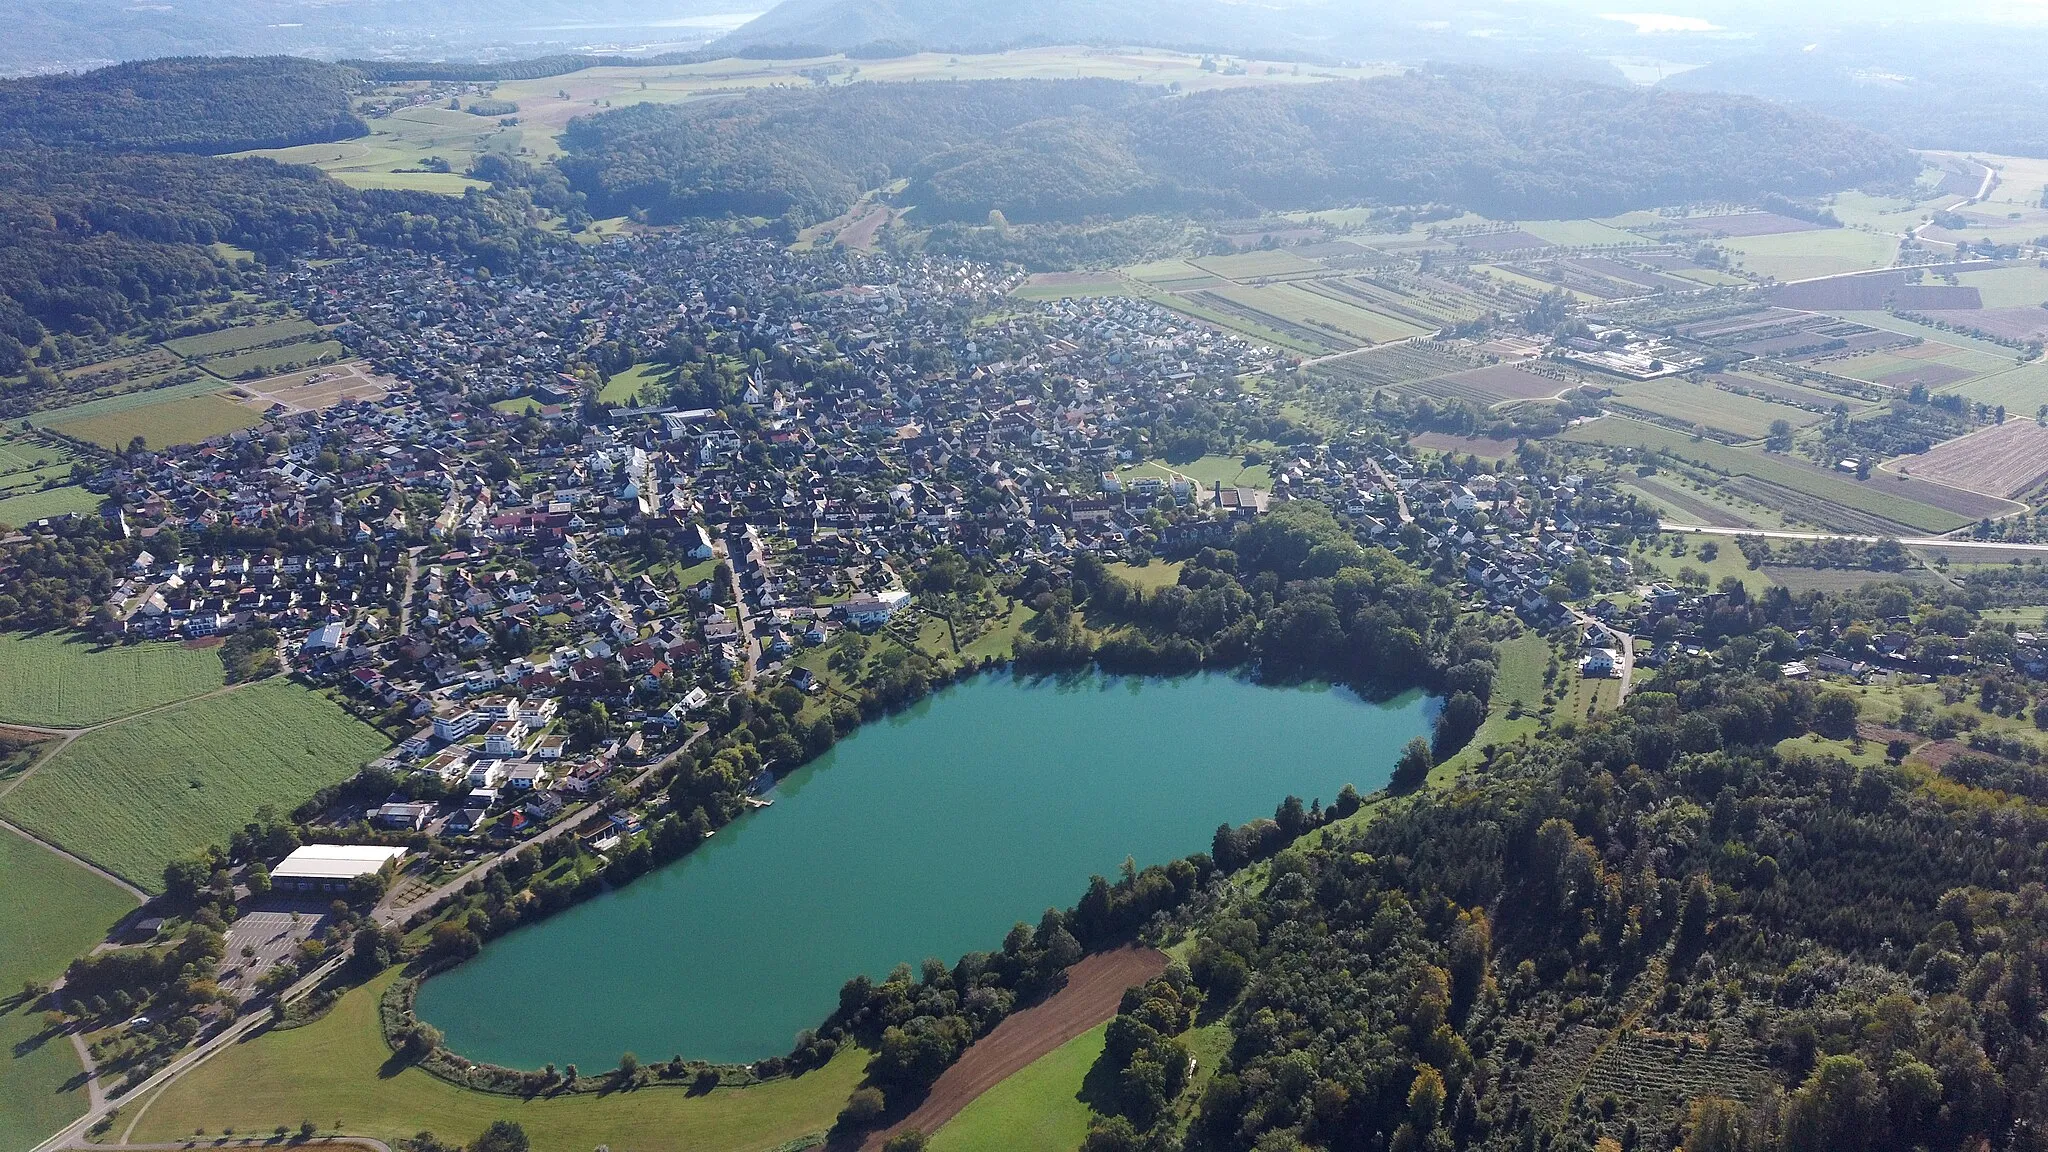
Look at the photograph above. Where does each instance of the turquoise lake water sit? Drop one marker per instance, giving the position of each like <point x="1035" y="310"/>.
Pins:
<point x="925" y="834"/>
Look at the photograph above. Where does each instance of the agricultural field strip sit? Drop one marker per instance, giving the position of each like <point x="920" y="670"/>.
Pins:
<point x="56" y="418"/>
<point x="241" y="339"/>
<point x="1745" y="417"/>
<point x="1782" y="474"/>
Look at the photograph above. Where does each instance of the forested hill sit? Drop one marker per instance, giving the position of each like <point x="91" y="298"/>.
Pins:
<point x="1658" y="931"/>
<point x="109" y="221"/>
<point x="186" y="104"/>
<point x="1504" y="144"/>
<point x="966" y="25"/>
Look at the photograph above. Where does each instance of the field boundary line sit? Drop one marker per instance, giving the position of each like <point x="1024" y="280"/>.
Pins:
<point x="140" y="896"/>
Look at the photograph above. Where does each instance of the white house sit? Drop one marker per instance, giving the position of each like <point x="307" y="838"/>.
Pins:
<point x="871" y="608"/>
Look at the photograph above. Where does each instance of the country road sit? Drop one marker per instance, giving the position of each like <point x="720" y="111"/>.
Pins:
<point x="1908" y="541"/>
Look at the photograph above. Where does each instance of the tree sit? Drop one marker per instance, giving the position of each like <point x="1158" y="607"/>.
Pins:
<point x="1716" y="1124"/>
<point x="1413" y="766"/>
<point x="501" y="1136"/>
<point x="1457" y="723"/>
<point x="1426" y="1099"/>
<point x="1840" y="1108"/>
<point x="863" y="1108"/>
<point x="908" y="1140"/>
<point x="1834" y="715"/>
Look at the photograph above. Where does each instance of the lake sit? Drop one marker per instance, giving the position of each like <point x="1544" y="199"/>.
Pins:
<point x="928" y="833"/>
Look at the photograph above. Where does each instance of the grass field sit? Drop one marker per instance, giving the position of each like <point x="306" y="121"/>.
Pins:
<point x="134" y="796"/>
<point x="1071" y="285"/>
<point x="1152" y="577"/>
<point x="229" y="340"/>
<point x="267" y="361"/>
<point x="1206" y="471"/>
<point x="1250" y="265"/>
<point x="126" y="402"/>
<point x="2024" y="286"/>
<point x="1037" y="1109"/>
<point x="186" y="420"/>
<point x="54" y="680"/>
<point x="339" y="1069"/>
<point x="1744" y="417"/>
<point x="1928" y="332"/>
<point x="1518" y="688"/>
<point x="624" y="389"/>
<point x="1580" y="233"/>
<point x="50" y="911"/>
<point x="41" y="1083"/>
<point x="31" y="506"/>
<point x="2021" y="388"/>
<point x="1805" y="255"/>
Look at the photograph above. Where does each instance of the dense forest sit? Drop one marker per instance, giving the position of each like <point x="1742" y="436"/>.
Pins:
<point x="187" y="104"/>
<point x="1653" y="932"/>
<point x="1062" y="150"/>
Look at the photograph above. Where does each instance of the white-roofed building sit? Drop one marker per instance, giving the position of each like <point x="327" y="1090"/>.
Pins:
<point x="330" y="867"/>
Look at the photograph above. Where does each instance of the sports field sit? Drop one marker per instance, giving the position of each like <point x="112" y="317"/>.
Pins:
<point x="59" y="680"/>
<point x="1037" y="1109"/>
<point x="339" y="1068"/>
<point x="134" y="796"/>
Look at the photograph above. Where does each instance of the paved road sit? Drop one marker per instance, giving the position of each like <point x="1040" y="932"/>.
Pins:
<point x="74" y="1134"/>
<point x="1908" y="541"/>
<point x="257" y="1142"/>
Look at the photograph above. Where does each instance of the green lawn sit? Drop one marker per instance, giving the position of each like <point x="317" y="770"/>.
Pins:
<point x="1522" y="661"/>
<point x="135" y="796"/>
<point x="30" y="507"/>
<point x="50" y="911"/>
<point x="624" y="389"/>
<point x="1036" y="1109"/>
<point x="1207" y="471"/>
<point x="41" y="1084"/>
<point x="56" y="680"/>
<point x="1152" y="577"/>
<point x="338" y="1069"/>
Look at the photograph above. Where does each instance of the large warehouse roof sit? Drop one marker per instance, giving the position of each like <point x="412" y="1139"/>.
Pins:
<point x="334" y="862"/>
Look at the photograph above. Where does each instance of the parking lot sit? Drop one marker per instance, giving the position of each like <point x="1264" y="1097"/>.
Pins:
<point x="260" y="941"/>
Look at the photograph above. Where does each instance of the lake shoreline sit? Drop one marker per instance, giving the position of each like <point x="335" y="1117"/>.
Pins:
<point x="492" y="987"/>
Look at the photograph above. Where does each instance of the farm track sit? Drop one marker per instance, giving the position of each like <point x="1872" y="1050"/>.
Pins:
<point x="1094" y="989"/>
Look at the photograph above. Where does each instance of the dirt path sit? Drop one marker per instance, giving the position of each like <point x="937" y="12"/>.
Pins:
<point x="1094" y="988"/>
<point x="140" y="896"/>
